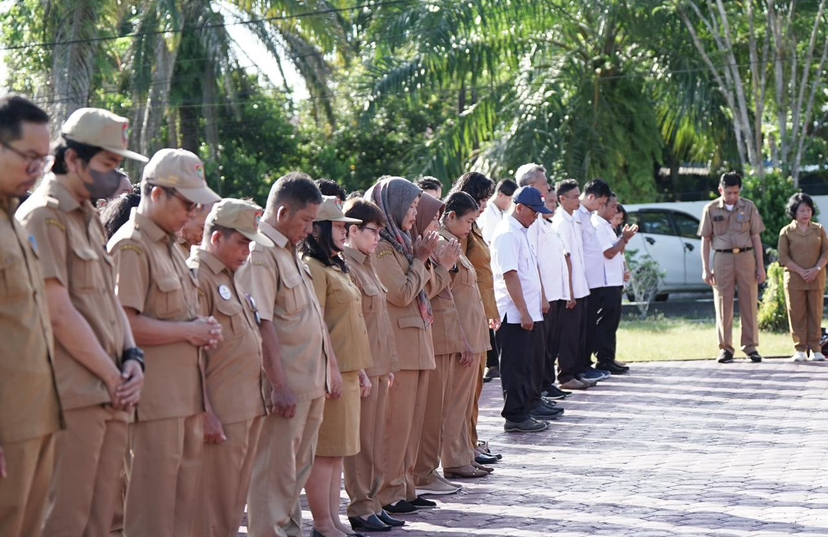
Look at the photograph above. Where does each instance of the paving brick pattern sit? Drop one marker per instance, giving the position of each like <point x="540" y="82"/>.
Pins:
<point x="688" y="448"/>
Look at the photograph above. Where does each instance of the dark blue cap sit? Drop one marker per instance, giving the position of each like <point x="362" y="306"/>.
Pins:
<point x="531" y="197"/>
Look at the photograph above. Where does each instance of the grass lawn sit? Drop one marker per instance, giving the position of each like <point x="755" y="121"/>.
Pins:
<point x="660" y="338"/>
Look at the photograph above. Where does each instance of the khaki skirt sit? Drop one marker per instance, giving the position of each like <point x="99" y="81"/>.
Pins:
<point x="339" y="432"/>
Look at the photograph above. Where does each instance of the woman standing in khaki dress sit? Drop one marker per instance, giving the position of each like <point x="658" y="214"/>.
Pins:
<point x="341" y="301"/>
<point x="803" y="251"/>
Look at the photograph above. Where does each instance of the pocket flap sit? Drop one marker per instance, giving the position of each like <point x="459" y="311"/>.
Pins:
<point x="87" y="254"/>
<point x="228" y="307"/>
<point x="7" y="261"/>
<point x="168" y="284"/>
<point x="291" y="280"/>
<point x="411" y="322"/>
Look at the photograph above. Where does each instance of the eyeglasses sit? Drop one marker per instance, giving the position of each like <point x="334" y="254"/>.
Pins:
<point x="373" y="230"/>
<point x="34" y="164"/>
<point x="189" y="205"/>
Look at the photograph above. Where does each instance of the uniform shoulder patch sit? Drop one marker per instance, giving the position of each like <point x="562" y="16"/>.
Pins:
<point x="384" y="253"/>
<point x="55" y="222"/>
<point x="260" y="264"/>
<point x="132" y="247"/>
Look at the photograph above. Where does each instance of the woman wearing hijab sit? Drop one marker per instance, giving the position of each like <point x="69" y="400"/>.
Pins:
<point x="402" y="265"/>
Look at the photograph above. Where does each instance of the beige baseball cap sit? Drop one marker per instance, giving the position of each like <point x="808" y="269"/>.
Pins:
<point x="100" y="128"/>
<point x="239" y="215"/>
<point x="331" y="211"/>
<point x="182" y="170"/>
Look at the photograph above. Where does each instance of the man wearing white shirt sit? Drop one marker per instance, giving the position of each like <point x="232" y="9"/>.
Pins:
<point x="521" y="305"/>
<point x="608" y="295"/>
<point x="571" y="315"/>
<point x="496" y="209"/>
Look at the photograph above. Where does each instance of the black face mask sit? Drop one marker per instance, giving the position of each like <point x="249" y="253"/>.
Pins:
<point x="104" y="184"/>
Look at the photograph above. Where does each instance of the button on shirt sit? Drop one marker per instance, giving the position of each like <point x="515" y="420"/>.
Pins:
<point x="569" y="228"/>
<point x="730" y="229"/>
<point x="593" y="254"/>
<point x="511" y="251"/>
<point x="551" y="252"/>
<point x="606" y="237"/>
<point x="489" y="220"/>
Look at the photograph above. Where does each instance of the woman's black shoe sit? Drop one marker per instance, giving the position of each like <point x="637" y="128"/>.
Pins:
<point x="484" y="458"/>
<point x="422" y="503"/>
<point x="399" y="508"/>
<point x="372" y="523"/>
<point x="391" y="521"/>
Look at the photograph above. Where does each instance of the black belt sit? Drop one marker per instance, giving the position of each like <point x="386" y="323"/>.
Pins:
<point x="735" y="250"/>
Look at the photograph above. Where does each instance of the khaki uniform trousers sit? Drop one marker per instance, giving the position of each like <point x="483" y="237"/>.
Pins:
<point x="805" y="317"/>
<point x="457" y="448"/>
<point x="364" y="471"/>
<point x="403" y="428"/>
<point x="440" y="381"/>
<point x="225" y="480"/>
<point x="281" y="468"/>
<point x="475" y="411"/>
<point x="162" y="489"/>
<point x="23" y="492"/>
<point x="732" y="272"/>
<point x="88" y="463"/>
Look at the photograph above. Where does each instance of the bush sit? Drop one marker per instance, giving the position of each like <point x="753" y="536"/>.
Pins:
<point x="770" y="194"/>
<point x="773" y="312"/>
<point x="645" y="280"/>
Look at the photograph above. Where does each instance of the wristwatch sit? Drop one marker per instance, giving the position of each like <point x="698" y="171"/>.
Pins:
<point x="136" y="354"/>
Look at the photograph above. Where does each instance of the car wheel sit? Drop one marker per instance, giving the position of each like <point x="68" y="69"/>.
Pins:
<point x="662" y="297"/>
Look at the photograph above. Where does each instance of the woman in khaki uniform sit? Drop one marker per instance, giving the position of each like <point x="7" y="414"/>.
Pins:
<point x="341" y="302"/>
<point x="803" y="251"/>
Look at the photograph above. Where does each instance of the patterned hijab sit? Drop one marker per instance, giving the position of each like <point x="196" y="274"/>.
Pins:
<point x="394" y="195"/>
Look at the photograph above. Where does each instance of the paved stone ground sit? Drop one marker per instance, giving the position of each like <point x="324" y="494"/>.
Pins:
<point x="687" y="448"/>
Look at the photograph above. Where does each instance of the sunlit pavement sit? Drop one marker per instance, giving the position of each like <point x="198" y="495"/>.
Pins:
<point x="673" y="448"/>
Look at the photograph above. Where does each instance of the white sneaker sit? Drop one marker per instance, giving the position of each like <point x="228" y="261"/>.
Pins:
<point x="817" y="357"/>
<point x="437" y="488"/>
<point x="799" y="356"/>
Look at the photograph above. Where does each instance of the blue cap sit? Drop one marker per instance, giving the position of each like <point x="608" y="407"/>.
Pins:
<point x="531" y="197"/>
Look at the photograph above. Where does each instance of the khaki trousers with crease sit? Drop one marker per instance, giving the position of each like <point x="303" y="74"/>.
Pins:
<point x="23" y="492"/>
<point x="805" y="317"/>
<point x="732" y="272"/>
<point x="440" y="381"/>
<point x="457" y="447"/>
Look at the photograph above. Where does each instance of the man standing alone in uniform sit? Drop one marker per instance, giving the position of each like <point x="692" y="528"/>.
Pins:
<point x="99" y="368"/>
<point x="731" y="226"/>
<point x="159" y="295"/>
<point x="29" y="407"/>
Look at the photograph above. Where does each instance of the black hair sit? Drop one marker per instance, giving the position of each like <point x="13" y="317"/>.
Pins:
<point x="331" y="188"/>
<point x="85" y="152"/>
<point x="364" y="210"/>
<point x="461" y="204"/>
<point x="355" y="194"/>
<point x="116" y="213"/>
<point x="477" y="185"/>
<point x="321" y="247"/>
<point x="16" y="110"/>
<point x="430" y="183"/>
<point x="796" y="200"/>
<point x="730" y="179"/>
<point x="295" y="191"/>
<point x="506" y="187"/>
<point x="598" y="188"/>
<point x="565" y="186"/>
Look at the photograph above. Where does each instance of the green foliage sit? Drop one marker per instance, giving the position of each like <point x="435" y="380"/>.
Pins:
<point x="773" y="312"/>
<point x="770" y="194"/>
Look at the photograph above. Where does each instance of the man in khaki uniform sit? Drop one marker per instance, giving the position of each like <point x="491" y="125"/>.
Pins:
<point x="190" y="235"/>
<point x="99" y="369"/>
<point x="159" y="294"/>
<point x="29" y="407"/>
<point x="295" y="350"/>
<point x="731" y="227"/>
<point x="232" y="370"/>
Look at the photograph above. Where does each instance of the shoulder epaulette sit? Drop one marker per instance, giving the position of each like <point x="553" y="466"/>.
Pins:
<point x="55" y="222"/>
<point x="383" y="253"/>
<point x="134" y="248"/>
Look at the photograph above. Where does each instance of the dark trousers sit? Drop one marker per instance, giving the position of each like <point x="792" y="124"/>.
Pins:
<point x="493" y="355"/>
<point x="593" y="305"/>
<point x="519" y="351"/>
<point x="609" y="317"/>
<point x="572" y="329"/>
<point x="551" y="342"/>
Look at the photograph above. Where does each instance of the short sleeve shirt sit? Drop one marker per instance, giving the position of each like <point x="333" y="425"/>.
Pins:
<point x="72" y="247"/>
<point x="593" y="254"/>
<point x="29" y="405"/>
<point x="569" y="228"/>
<point x="549" y="247"/>
<point x="489" y="220"/>
<point x="613" y="268"/>
<point x="152" y="278"/>
<point x="281" y="285"/>
<point x="730" y="229"/>
<point x="234" y="368"/>
<point x="511" y="251"/>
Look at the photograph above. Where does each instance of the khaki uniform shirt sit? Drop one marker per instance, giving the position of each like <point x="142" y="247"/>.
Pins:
<point x="154" y="280"/>
<point x="804" y="249"/>
<point x="730" y="229"/>
<point x="29" y="405"/>
<point x="72" y="247"/>
<point x="446" y="332"/>
<point x="476" y="251"/>
<point x="341" y="302"/>
<point x="468" y="302"/>
<point x="415" y="348"/>
<point x="234" y="369"/>
<point x="284" y="294"/>
<point x="374" y="312"/>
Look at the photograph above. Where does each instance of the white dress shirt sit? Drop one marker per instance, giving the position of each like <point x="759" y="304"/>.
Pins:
<point x="489" y="220"/>
<point x="613" y="268"/>
<point x="593" y="254"/>
<point x="511" y="251"/>
<point x="551" y="253"/>
<point x="569" y="228"/>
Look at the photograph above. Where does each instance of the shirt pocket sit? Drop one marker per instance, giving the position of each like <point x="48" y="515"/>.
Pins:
<point x="84" y="260"/>
<point x="14" y="278"/>
<point x="372" y="298"/>
<point x="291" y="296"/>
<point x="169" y="303"/>
<point x="230" y="318"/>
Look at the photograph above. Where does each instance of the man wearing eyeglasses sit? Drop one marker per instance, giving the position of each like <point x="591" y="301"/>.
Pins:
<point x="29" y="406"/>
<point x="159" y="295"/>
<point x="99" y="368"/>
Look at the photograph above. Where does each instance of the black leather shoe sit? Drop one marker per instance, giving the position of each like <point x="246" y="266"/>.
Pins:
<point x="483" y="458"/>
<point x="612" y="368"/>
<point x="755" y="357"/>
<point x="725" y="357"/>
<point x="372" y="523"/>
<point x="391" y="521"/>
<point x="400" y="508"/>
<point x="422" y="503"/>
<point x="553" y="392"/>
